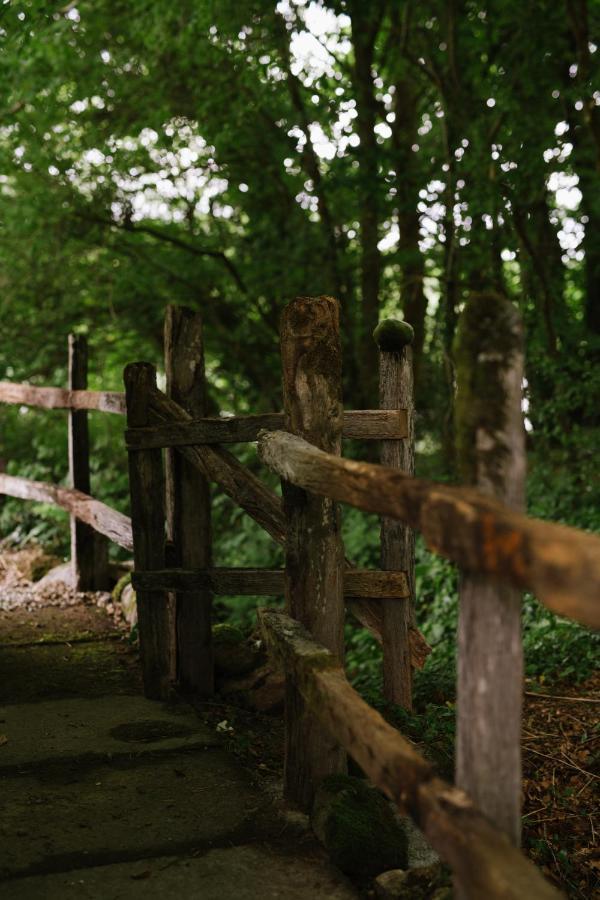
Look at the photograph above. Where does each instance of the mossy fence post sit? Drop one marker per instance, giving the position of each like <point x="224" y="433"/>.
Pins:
<point x="89" y="550"/>
<point x="147" y="492"/>
<point x="491" y="456"/>
<point x="188" y="503"/>
<point x="397" y="539"/>
<point x="314" y="559"/>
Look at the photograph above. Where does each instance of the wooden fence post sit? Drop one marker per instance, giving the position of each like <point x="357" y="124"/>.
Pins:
<point x="311" y="364"/>
<point x="491" y="455"/>
<point x="146" y="487"/>
<point x="89" y="551"/>
<point x="188" y="502"/>
<point x="397" y="539"/>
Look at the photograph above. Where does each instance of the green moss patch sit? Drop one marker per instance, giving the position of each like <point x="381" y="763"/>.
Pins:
<point x="393" y="335"/>
<point x="356" y="825"/>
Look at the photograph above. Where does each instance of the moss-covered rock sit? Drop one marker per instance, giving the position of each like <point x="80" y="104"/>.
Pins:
<point x="233" y="654"/>
<point x="393" y="335"/>
<point x="123" y="596"/>
<point x="356" y="825"/>
<point x="120" y="587"/>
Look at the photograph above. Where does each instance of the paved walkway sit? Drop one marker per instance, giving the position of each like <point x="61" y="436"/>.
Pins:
<point x="105" y="795"/>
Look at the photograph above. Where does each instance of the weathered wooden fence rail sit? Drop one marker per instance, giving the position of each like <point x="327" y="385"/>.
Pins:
<point x="106" y="521"/>
<point x="92" y="522"/>
<point x="483" y="859"/>
<point x="561" y="565"/>
<point x="62" y="398"/>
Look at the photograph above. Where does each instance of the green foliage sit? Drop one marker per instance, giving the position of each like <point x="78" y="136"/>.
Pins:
<point x="557" y="649"/>
<point x="357" y="826"/>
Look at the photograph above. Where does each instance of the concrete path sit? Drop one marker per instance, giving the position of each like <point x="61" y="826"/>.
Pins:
<point x="106" y="795"/>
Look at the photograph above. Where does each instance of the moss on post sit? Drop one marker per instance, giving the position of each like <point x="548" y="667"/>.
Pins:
<point x="393" y="335"/>
<point x="487" y="339"/>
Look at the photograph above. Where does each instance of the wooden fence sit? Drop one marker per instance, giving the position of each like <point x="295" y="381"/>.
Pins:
<point x="92" y="522"/>
<point x="175" y="579"/>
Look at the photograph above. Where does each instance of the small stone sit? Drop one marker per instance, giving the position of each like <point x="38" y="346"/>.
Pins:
<point x="411" y="884"/>
<point x="390" y="885"/>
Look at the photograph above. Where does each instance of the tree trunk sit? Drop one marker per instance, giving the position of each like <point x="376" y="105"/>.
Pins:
<point x="365" y="25"/>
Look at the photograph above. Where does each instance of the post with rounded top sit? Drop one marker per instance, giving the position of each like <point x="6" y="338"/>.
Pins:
<point x="314" y="561"/>
<point x="89" y="550"/>
<point x="394" y="338"/>
<point x="491" y="456"/>
<point x="188" y="503"/>
<point x="146" y="487"/>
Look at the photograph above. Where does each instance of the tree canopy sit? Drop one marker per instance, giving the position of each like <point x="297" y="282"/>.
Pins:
<point x="397" y="155"/>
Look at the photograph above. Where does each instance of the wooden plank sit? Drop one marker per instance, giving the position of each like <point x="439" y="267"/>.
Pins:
<point x="397" y="538"/>
<point x="375" y="424"/>
<point x="188" y="503"/>
<point x="482" y="858"/>
<point x="220" y="466"/>
<point x="267" y="582"/>
<point x="491" y="454"/>
<point x="314" y="555"/>
<point x="146" y="488"/>
<point x="89" y="550"/>
<point x="59" y="398"/>
<point x="102" y="518"/>
<point x="560" y="565"/>
<point x="368" y="424"/>
<point x="225" y="430"/>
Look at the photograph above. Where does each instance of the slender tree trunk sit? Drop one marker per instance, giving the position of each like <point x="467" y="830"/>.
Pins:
<point x="412" y="261"/>
<point x="365" y="24"/>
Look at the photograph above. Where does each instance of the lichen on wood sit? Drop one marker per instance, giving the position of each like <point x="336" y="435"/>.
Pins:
<point x="489" y="333"/>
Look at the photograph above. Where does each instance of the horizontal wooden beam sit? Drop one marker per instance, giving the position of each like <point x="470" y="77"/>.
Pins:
<point x="266" y="582"/>
<point x="560" y="565"/>
<point x="59" y="398"/>
<point x="220" y="466"/>
<point x="368" y="424"/>
<point x="484" y="861"/>
<point x="102" y="518"/>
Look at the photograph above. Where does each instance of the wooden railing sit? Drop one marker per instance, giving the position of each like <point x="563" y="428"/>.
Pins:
<point x="175" y="578"/>
<point x="325" y="717"/>
<point x="92" y="522"/>
<point x="560" y="565"/>
<point x="176" y="420"/>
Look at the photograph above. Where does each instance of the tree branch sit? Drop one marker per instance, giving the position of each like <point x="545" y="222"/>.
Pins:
<point x="170" y="239"/>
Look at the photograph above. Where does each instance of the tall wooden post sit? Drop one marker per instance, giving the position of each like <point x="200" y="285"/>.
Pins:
<point x="146" y="487"/>
<point x="312" y="394"/>
<point x="397" y="540"/>
<point x="89" y="550"/>
<point x="188" y="502"/>
<point x="491" y="455"/>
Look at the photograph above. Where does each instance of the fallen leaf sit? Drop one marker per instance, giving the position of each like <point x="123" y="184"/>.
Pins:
<point x="138" y="876"/>
<point x="3" y="740"/>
